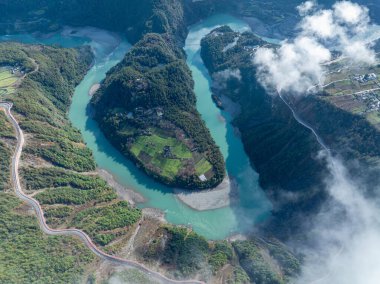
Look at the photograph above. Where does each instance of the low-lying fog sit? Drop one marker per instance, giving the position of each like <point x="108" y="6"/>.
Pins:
<point x="344" y="244"/>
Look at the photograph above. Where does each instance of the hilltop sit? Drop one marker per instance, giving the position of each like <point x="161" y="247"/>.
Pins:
<point x="146" y="107"/>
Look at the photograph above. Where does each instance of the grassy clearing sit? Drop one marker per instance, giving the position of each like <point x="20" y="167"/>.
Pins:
<point x="7" y="78"/>
<point x="155" y="144"/>
<point x="202" y="167"/>
<point x="374" y="117"/>
<point x="150" y="149"/>
<point x="6" y="82"/>
<point x="169" y="167"/>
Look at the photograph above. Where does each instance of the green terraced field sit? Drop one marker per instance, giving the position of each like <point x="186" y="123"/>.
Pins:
<point x="150" y="149"/>
<point x="202" y="167"/>
<point x="155" y="144"/>
<point x="7" y="80"/>
<point x="169" y="167"/>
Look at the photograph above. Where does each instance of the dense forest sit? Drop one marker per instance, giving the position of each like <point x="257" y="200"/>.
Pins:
<point x="154" y="82"/>
<point x="56" y="164"/>
<point x="238" y="262"/>
<point x="30" y="256"/>
<point x="147" y="99"/>
<point x="289" y="165"/>
<point x="6" y="134"/>
<point x="351" y="136"/>
<point x="133" y="17"/>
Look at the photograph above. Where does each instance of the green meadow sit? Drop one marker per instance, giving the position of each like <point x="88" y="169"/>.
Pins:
<point x="150" y="149"/>
<point x="7" y="80"/>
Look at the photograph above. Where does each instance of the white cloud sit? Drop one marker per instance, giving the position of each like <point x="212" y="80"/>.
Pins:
<point x="220" y="78"/>
<point x="344" y="243"/>
<point x="306" y="7"/>
<point x="320" y="24"/>
<point x="346" y="235"/>
<point x="296" y="65"/>
<point x="360" y="53"/>
<point x="293" y="67"/>
<point x="351" y="13"/>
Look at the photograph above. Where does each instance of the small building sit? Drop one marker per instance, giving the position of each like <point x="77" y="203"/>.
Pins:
<point x="202" y="178"/>
<point x="365" y="78"/>
<point x="370" y="77"/>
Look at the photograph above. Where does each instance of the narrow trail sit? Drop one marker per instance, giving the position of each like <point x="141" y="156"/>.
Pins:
<point x="132" y="240"/>
<point x="70" y="232"/>
<point x="329" y="157"/>
<point x="300" y="121"/>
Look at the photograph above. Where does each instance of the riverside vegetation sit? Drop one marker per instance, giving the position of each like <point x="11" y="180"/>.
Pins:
<point x="27" y="254"/>
<point x="290" y="164"/>
<point x="70" y="193"/>
<point x="74" y="196"/>
<point x="250" y="261"/>
<point x="146" y="107"/>
<point x="57" y="166"/>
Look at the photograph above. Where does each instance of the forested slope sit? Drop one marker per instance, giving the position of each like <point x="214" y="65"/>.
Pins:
<point x="133" y="17"/>
<point x="57" y="168"/>
<point x="146" y="107"/>
<point x="282" y="151"/>
<point x="27" y="254"/>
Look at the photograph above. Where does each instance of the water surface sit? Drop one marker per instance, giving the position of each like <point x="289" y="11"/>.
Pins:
<point x="109" y="49"/>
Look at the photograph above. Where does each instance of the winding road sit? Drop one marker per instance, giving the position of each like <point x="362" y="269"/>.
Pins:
<point x="329" y="156"/>
<point x="300" y="121"/>
<point x="70" y="232"/>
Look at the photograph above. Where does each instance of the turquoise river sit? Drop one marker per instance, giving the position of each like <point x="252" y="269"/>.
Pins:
<point x="252" y="206"/>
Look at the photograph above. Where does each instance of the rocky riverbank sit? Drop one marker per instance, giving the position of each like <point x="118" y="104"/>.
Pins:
<point x="94" y="89"/>
<point x="219" y="197"/>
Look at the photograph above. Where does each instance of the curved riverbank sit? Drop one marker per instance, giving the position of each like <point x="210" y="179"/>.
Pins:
<point x="124" y="193"/>
<point x="251" y="206"/>
<point x="221" y="196"/>
<point x="67" y="232"/>
<point x="94" y="89"/>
